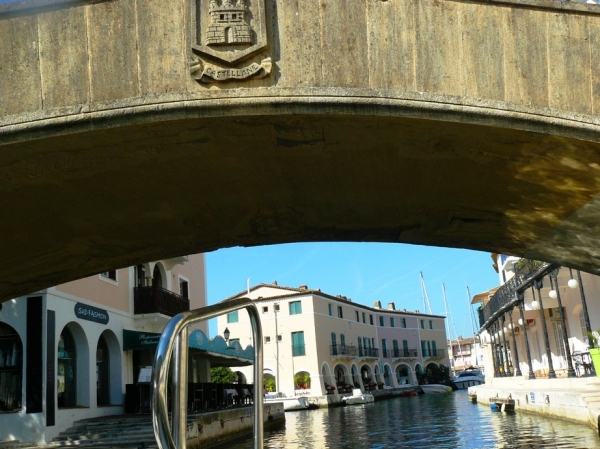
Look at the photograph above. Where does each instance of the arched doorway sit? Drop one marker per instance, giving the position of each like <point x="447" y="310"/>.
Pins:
<point x="102" y="372"/>
<point x="11" y="369"/>
<point x="157" y="280"/>
<point x="387" y="376"/>
<point x="67" y="370"/>
<point x="420" y="374"/>
<point x="269" y="382"/>
<point x="433" y="374"/>
<point x="403" y="376"/>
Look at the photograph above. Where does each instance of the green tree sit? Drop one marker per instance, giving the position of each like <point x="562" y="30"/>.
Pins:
<point x="269" y="384"/>
<point x="222" y="375"/>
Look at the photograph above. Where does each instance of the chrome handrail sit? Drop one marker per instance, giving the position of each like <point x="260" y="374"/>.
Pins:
<point x="175" y="334"/>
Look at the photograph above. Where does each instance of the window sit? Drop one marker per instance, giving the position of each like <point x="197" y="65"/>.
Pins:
<point x="392" y="322"/>
<point x="396" y="349"/>
<point x="232" y="317"/>
<point x="265" y="309"/>
<point x="112" y="274"/>
<point x="330" y="309"/>
<point x="422" y="324"/>
<point x="67" y="370"/>
<point x="276" y="307"/>
<point x="381" y="321"/>
<point x="429" y="354"/>
<point x="384" y="347"/>
<point x="424" y="351"/>
<point x="233" y="340"/>
<point x="403" y="323"/>
<point x="333" y="344"/>
<point x="340" y="313"/>
<point x="102" y="372"/>
<point x="357" y="316"/>
<point x="558" y="340"/>
<point x="295" y="308"/>
<point x="279" y="338"/>
<point x="298" y="348"/>
<point x="405" y="348"/>
<point x="11" y="370"/>
<point x="360" y="347"/>
<point x="267" y="339"/>
<point x="430" y="324"/>
<point x="583" y="327"/>
<point x="364" y="318"/>
<point x="433" y="348"/>
<point x="371" y="319"/>
<point x="342" y="340"/>
<point x="184" y="290"/>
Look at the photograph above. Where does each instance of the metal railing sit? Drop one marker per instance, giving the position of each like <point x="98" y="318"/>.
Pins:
<point x="399" y="353"/>
<point x="368" y="352"/>
<point x="437" y="354"/>
<point x="158" y="300"/>
<point x="344" y="350"/>
<point x="526" y="271"/>
<point x="174" y="342"/>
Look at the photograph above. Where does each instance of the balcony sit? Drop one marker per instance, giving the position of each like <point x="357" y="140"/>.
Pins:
<point x="368" y="352"/>
<point x="158" y="300"/>
<point x="435" y="355"/>
<point x="526" y="271"/>
<point x="343" y="351"/>
<point x="405" y="353"/>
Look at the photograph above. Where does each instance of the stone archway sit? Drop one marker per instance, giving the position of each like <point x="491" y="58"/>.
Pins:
<point x="403" y="374"/>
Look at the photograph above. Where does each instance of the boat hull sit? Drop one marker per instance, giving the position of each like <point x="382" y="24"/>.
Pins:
<point x="463" y="384"/>
<point x="436" y="388"/>
<point x="290" y="404"/>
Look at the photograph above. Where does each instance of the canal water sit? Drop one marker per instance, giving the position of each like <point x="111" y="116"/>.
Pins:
<point x="426" y="421"/>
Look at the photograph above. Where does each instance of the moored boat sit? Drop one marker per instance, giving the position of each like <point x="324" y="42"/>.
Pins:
<point x="358" y="397"/>
<point x="436" y="388"/>
<point x="469" y="378"/>
<point x="289" y="404"/>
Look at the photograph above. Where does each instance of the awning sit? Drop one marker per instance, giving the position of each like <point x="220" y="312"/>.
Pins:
<point x="484" y="297"/>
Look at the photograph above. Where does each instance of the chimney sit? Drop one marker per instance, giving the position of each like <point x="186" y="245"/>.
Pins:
<point x="377" y="304"/>
<point x="274" y="282"/>
<point x="391" y="306"/>
<point x="304" y="287"/>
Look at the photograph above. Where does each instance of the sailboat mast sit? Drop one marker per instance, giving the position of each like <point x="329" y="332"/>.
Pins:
<point x="425" y="295"/>
<point x="454" y="327"/>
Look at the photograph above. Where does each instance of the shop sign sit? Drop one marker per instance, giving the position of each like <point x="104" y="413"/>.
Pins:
<point x="85" y="312"/>
<point x="133" y="340"/>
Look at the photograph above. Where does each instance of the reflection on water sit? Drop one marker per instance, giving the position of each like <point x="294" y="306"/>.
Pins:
<point x="426" y="421"/>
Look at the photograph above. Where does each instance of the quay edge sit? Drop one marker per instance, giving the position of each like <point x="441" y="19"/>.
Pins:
<point x="572" y="399"/>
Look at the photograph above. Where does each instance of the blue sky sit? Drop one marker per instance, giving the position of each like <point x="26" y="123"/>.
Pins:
<point x="363" y="272"/>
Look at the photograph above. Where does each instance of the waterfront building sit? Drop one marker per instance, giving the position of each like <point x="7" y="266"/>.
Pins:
<point x="536" y="323"/>
<point x="81" y="349"/>
<point x="464" y="353"/>
<point x="319" y="344"/>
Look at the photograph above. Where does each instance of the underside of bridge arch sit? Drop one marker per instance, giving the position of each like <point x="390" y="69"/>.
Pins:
<point x="80" y="199"/>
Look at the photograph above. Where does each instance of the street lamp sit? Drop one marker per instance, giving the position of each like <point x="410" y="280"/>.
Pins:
<point x="572" y="282"/>
<point x="552" y="293"/>
<point x="535" y="305"/>
<point x="226" y="334"/>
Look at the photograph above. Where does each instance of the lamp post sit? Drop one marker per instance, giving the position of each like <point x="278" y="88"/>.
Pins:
<point x="516" y="352"/>
<point x="573" y="283"/>
<point x="226" y="335"/>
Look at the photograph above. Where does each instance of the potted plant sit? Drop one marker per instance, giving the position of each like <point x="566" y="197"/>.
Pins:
<point x="594" y="350"/>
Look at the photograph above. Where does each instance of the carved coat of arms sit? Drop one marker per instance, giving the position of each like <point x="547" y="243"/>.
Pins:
<point x="228" y="33"/>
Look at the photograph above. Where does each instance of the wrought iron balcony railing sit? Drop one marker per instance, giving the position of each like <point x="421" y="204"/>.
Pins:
<point x="525" y="271"/>
<point x="368" y="352"/>
<point x="158" y="300"/>
<point x="344" y="350"/>
<point x="435" y="354"/>
<point x="405" y="353"/>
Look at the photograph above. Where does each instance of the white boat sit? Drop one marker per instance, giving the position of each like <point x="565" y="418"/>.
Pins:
<point x="436" y="388"/>
<point x="469" y="378"/>
<point x="358" y="397"/>
<point x="293" y="403"/>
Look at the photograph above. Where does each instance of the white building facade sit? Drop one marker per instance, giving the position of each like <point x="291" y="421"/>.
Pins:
<point x="73" y="351"/>
<point x="523" y="329"/>
<point x="318" y="344"/>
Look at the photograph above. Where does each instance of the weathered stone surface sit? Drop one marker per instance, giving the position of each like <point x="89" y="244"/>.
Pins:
<point x="462" y="124"/>
<point x="19" y="68"/>
<point x="63" y="64"/>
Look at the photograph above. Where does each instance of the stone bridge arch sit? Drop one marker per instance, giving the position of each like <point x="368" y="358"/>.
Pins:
<point x="435" y="131"/>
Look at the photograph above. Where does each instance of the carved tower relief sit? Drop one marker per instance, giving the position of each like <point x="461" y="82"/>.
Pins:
<point x="229" y="32"/>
